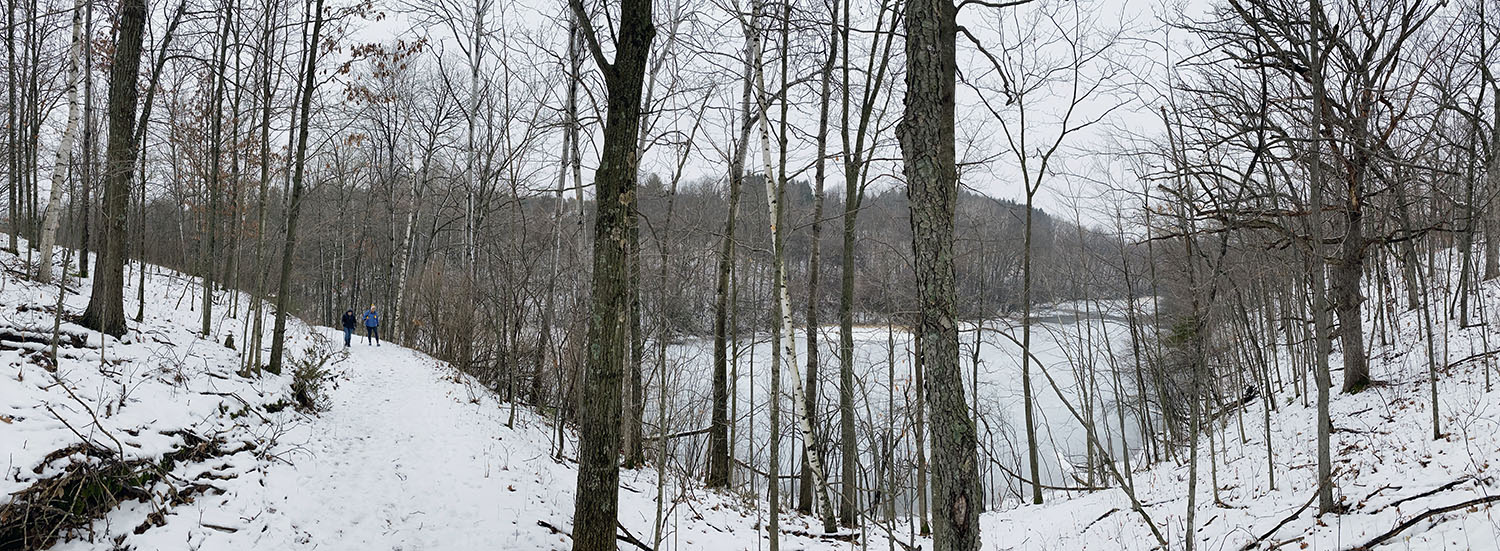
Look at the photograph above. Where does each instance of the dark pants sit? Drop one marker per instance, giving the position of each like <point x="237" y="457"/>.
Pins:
<point x="348" y="333"/>
<point x="372" y="333"/>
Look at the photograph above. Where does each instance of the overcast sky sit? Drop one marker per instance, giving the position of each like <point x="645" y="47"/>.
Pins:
<point x="1124" y="72"/>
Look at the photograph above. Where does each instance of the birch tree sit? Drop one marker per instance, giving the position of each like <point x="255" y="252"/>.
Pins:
<point x="64" y="156"/>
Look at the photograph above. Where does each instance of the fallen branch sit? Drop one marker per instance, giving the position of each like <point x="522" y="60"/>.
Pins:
<point x="1424" y="516"/>
<point x="630" y="538"/>
<point x="837" y="536"/>
<point x="1028" y="482"/>
<point x="1474" y="356"/>
<point x="1283" y="522"/>
<point x="764" y="474"/>
<point x="1428" y="493"/>
<point x="627" y="537"/>
<point x="675" y="435"/>
<point x="1101" y="517"/>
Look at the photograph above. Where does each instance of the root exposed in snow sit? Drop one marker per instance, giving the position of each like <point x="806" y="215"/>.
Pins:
<point x="93" y="484"/>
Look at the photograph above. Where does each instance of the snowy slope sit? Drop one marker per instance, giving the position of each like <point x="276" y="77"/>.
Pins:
<point x="1384" y="458"/>
<point x="157" y="390"/>
<point x="410" y="454"/>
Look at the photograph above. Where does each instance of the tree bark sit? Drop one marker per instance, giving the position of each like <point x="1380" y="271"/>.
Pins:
<point x="635" y="399"/>
<point x="53" y="215"/>
<point x="106" y="309"/>
<point x="1346" y="297"/>
<point x="596" y="498"/>
<point x="926" y="135"/>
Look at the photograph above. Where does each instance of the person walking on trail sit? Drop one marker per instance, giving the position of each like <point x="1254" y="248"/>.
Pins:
<point x="348" y="321"/>
<point x="372" y="326"/>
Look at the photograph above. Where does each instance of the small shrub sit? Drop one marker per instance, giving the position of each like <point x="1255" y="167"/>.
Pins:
<point x="311" y="374"/>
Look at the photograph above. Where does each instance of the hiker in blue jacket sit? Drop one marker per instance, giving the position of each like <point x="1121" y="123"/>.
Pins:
<point x="348" y="321"/>
<point x="372" y="326"/>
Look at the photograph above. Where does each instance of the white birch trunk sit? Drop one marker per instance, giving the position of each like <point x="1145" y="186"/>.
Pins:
<point x="403" y="251"/>
<point x="784" y="301"/>
<point x="64" y="149"/>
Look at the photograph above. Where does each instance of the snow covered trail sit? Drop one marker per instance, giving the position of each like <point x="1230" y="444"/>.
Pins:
<point x="411" y="455"/>
<point x="400" y="460"/>
<point x="408" y="456"/>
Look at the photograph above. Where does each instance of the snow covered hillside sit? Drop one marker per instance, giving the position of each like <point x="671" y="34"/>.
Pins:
<point x="158" y="417"/>
<point x="408" y="454"/>
<point x="1388" y="469"/>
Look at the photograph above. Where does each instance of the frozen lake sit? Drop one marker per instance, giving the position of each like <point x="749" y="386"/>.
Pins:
<point x="1080" y="347"/>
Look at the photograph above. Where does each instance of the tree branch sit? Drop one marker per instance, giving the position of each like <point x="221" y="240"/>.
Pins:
<point x="590" y="38"/>
<point x="995" y="5"/>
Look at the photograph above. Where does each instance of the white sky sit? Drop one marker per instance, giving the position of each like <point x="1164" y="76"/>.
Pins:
<point x="1134" y="54"/>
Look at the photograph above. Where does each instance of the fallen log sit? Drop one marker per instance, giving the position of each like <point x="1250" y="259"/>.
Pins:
<point x="1419" y="518"/>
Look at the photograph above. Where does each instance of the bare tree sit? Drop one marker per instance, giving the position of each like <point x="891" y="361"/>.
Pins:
<point x="294" y="204"/>
<point x="596" y="505"/>
<point x="927" y="140"/>
<point x="106" y="309"/>
<point x="53" y="214"/>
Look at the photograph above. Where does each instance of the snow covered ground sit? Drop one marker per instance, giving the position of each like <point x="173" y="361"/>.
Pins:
<point x="411" y="455"/>
<point x="1386" y="463"/>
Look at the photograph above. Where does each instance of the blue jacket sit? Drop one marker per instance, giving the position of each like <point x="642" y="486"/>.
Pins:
<point x="372" y="318"/>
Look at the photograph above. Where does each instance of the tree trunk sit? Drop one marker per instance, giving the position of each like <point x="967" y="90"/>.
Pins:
<point x="64" y="149"/>
<point x="1026" y="393"/>
<point x="596" y="505"/>
<point x="404" y="249"/>
<point x="211" y="216"/>
<point x="848" y="452"/>
<point x="106" y="309"/>
<point x="1491" y="211"/>
<point x="294" y="205"/>
<point x="786" y="343"/>
<point x="89" y="146"/>
<point x="921" y="427"/>
<point x="1322" y="343"/>
<point x="634" y="400"/>
<point x="720" y="444"/>
<point x="805" y="485"/>
<point x="12" y="138"/>
<point x="1346" y="298"/>
<point x="926" y="135"/>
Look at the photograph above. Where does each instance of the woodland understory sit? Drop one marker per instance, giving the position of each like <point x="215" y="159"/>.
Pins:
<point x="792" y="249"/>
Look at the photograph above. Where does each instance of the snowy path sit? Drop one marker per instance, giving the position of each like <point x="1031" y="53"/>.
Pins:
<point x="403" y="460"/>
<point x="410" y="455"/>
